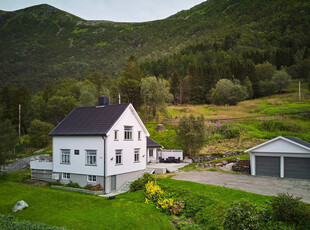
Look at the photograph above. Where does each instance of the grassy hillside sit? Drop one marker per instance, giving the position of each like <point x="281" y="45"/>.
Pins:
<point x="256" y="121"/>
<point x="41" y="43"/>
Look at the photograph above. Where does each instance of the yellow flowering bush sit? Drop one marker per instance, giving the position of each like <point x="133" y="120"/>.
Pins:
<point x="153" y="191"/>
<point x="165" y="203"/>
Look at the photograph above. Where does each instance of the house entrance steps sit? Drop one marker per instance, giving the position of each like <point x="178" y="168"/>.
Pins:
<point x="126" y="186"/>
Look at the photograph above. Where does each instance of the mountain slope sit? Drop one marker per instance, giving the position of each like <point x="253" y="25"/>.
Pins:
<point x="41" y="43"/>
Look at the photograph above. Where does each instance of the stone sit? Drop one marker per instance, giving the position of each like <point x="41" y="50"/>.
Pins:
<point x="187" y="160"/>
<point x="160" y="127"/>
<point x="227" y="167"/>
<point x="218" y="165"/>
<point x="224" y="162"/>
<point x="20" y="205"/>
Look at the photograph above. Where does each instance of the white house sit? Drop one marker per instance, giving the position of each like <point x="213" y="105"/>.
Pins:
<point x="105" y="144"/>
<point x="281" y="157"/>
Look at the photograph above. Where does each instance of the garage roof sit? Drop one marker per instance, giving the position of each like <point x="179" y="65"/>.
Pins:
<point x="293" y="140"/>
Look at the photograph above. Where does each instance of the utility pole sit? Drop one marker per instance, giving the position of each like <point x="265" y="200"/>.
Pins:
<point x="19" y="119"/>
<point x="299" y="91"/>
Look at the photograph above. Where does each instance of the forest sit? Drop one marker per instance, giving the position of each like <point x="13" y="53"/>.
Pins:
<point x="219" y="52"/>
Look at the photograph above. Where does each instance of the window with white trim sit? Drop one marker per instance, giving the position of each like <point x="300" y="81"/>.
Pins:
<point x="116" y="135"/>
<point x="66" y="175"/>
<point x="91" y="157"/>
<point x="92" y="178"/>
<point x="139" y="135"/>
<point x="118" y="157"/>
<point x="128" y="133"/>
<point x="65" y="156"/>
<point x="137" y="155"/>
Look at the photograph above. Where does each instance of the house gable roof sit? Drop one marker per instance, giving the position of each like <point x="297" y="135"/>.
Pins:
<point x="292" y="140"/>
<point x="152" y="144"/>
<point x="89" y="121"/>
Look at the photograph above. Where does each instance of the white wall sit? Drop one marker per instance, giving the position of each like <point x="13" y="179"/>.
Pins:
<point x="172" y="153"/>
<point x="281" y="146"/>
<point x="127" y="119"/>
<point x="78" y="162"/>
<point x="41" y="165"/>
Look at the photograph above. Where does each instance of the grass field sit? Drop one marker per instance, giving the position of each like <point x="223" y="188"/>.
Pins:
<point x="258" y="120"/>
<point x="76" y="210"/>
<point x="127" y="211"/>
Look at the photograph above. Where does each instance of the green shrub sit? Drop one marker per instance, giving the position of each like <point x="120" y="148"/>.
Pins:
<point x="9" y="222"/>
<point x="89" y="186"/>
<point x="140" y="183"/>
<point x="56" y="183"/>
<point x="289" y="209"/>
<point x="243" y="215"/>
<point x="73" y="185"/>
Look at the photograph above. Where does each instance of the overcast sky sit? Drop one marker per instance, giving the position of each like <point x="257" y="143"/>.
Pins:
<point x="112" y="10"/>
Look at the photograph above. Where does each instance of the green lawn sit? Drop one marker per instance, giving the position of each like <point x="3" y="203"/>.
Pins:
<point x="208" y="204"/>
<point x="79" y="211"/>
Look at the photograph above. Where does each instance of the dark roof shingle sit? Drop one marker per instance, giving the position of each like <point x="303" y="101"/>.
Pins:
<point x="152" y="144"/>
<point x="89" y="121"/>
<point x="304" y="143"/>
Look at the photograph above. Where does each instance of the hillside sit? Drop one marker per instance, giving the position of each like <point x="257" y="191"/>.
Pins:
<point x="41" y="43"/>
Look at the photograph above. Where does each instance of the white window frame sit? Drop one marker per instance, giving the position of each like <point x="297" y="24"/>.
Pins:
<point x="139" y="135"/>
<point x="128" y="133"/>
<point x="91" y="157"/>
<point x="66" y="176"/>
<point x="65" y="156"/>
<point x="116" y="135"/>
<point x="136" y="155"/>
<point x="118" y="155"/>
<point x="92" y="178"/>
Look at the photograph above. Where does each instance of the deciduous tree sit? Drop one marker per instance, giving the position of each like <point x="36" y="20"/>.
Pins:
<point x="155" y="93"/>
<point x="191" y="134"/>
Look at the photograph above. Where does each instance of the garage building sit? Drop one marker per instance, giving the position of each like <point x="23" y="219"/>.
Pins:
<point x="281" y="157"/>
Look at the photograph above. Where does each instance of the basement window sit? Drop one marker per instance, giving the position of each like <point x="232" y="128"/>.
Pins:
<point x="92" y="178"/>
<point x="66" y="176"/>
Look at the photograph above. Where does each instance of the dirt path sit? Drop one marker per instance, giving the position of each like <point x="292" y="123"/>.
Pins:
<point x="255" y="184"/>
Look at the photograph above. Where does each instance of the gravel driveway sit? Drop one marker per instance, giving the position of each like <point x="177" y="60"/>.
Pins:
<point x="255" y="184"/>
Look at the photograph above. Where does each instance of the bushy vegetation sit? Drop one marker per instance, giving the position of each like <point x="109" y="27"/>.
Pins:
<point x="290" y="210"/>
<point x="140" y="183"/>
<point x="243" y="215"/>
<point x="191" y="134"/>
<point x="282" y="212"/>
<point x="8" y="222"/>
<point x="38" y="133"/>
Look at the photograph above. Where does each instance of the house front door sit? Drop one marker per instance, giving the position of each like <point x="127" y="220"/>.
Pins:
<point x="113" y="183"/>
